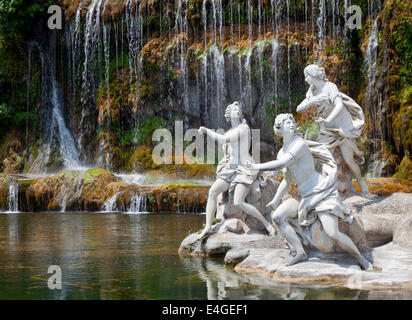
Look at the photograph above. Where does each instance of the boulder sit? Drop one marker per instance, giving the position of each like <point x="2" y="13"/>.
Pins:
<point x="391" y="268"/>
<point x="381" y="215"/>
<point x="221" y="243"/>
<point x="402" y="234"/>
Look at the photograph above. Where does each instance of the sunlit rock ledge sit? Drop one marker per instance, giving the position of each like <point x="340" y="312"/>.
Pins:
<point x="97" y="190"/>
<point x="387" y="224"/>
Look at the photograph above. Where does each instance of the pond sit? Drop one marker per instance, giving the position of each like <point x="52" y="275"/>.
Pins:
<point x="128" y="256"/>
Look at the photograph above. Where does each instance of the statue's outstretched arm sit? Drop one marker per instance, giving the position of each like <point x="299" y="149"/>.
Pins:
<point x="305" y="104"/>
<point x="236" y="134"/>
<point x="308" y="102"/>
<point x="283" y="162"/>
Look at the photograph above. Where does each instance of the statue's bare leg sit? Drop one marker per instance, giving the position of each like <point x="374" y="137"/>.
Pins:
<point x="218" y="187"/>
<point x="331" y="227"/>
<point x="241" y="191"/>
<point x="289" y="210"/>
<point x="347" y="153"/>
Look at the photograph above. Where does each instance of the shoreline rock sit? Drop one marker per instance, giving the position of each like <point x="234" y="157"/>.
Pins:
<point x="381" y="218"/>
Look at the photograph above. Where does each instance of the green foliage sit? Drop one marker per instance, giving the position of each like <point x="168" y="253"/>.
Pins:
<point x="144" y="131"/>
<point x="19" y="16"/>
<point x="401" y="41"/>
<point x="310" y="130"/>
<point x="277" y="105"/>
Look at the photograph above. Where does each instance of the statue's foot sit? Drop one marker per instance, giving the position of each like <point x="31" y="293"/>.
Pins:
<point x="299" y="258"/>
<point x="365" y="264"/>
<point x="271" y="230"/>
<point x="205" y="233"/>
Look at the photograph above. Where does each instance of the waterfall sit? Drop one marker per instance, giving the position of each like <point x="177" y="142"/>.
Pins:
<point x="53" y="124"/>
<point x="138" y="204"/>
<point x="63" y="197"/>
<point x="321" y="22"/>
<point x="13" y="198"/>
<point x="372" y="96"/>
<point x="91" y="72"/>
<point x="110" y="205"/>
<point x="201" y="69"/>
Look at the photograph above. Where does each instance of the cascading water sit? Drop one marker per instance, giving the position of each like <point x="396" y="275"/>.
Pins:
<point x="54" y="129"/>
<point x="372" y="94"/>
<point x="13" y="198"/>
<point x="138" y="204"/>
<point x="244" y="50"/>
<point x="110" y="205"/>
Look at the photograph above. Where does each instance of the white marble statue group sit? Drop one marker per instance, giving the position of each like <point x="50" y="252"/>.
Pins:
<point x="310" y="164"/>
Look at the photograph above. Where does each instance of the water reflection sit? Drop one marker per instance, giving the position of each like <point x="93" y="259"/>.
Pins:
<point x="122" y="256"/>
<point x="223" y="283"/>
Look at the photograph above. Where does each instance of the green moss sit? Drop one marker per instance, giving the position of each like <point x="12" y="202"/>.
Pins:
<point x="178" y="185"/>
<point x="90" y="175"/>
<point x="405" y="169"/>
<point x="67" y="175"/>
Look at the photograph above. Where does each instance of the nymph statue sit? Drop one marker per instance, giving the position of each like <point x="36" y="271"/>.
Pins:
<point x="319" y="197"/>
<point x="232" y="175"/>
<point x="340" y="119"/>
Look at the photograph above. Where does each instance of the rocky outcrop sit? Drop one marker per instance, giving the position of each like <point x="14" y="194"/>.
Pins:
<point x="91" y="191"/>
<point x="382" y="215"/>
<point x="391" y="268"/>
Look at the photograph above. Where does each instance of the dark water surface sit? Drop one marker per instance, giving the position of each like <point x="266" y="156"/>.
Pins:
<point x="121" y="256"/>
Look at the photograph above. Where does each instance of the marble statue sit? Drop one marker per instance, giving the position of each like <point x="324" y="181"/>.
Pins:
<point x="232" y="175"/>
<point x="300" y="161"/>
<point x="340" y="119"/>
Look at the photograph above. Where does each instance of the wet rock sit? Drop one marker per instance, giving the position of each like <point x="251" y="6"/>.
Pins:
<point x="221" y="243"/>
<point x="391" y="268"/>
<point x="236" y="255"/>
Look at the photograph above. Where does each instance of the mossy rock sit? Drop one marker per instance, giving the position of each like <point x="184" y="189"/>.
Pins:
<point x="94" y="173"/>
<point x="4" y="192"/>
<point x="386" y="186"/>
<point x="405" y="169"/>
<point x="94" y="189"/>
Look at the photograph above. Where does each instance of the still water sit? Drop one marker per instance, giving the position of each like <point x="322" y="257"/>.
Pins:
<point x="121" y="256"/>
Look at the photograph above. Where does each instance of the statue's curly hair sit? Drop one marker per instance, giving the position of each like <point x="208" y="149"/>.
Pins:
<point x="281" y="118"/>
<point x="316" y="71"/>
<point x="229" y="108"/>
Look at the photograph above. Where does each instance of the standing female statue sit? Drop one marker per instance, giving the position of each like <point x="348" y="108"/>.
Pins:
<point x="340" y="118"/>
<point x="232" y="175"/>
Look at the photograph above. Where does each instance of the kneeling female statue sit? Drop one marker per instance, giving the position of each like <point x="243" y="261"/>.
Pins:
<point x="318" y="190"/>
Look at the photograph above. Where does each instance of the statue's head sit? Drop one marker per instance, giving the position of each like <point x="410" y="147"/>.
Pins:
<point x="313" y="71"/>
<point x="233" y="111"/>
<point x="284" y="123"/>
